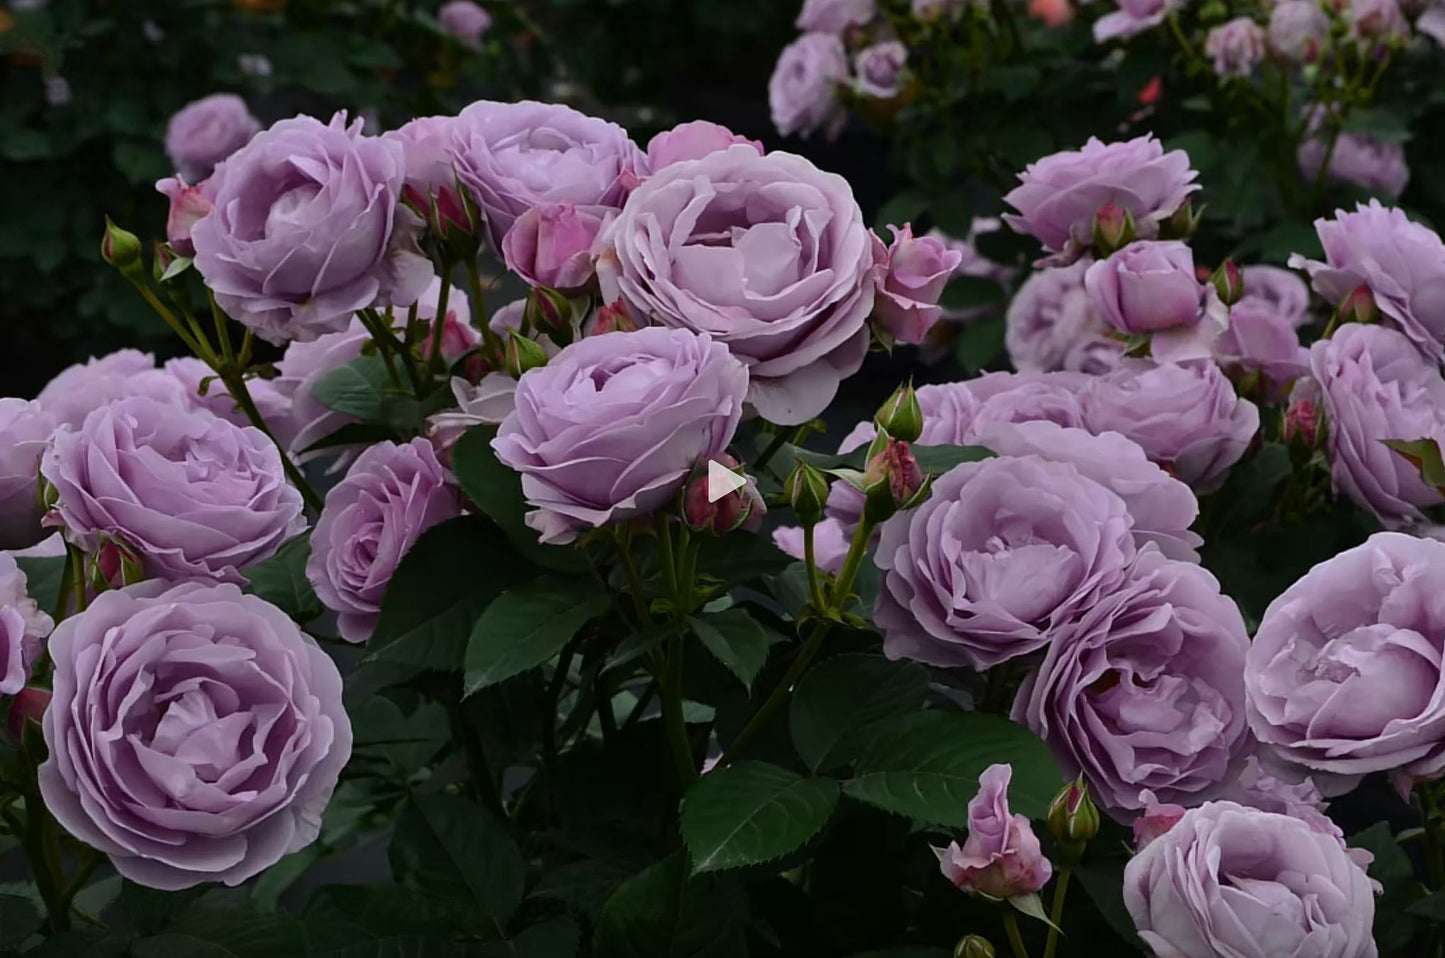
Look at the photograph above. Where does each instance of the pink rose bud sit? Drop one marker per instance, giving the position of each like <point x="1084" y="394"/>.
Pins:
<point x="1301" y="422"/>
<point x="1113" y="228"/>
<point x="892" y="479"/>
<point x="188" y="204"/>
<point x="28" y="705"/>
<point x="547" y="310"/>
<point x="475" y="367"/>
<point x="724" y="515"/>
<point x="1153" y="91"/>
<point x="1156" y="820"/>
<point x="122" y="250"/>
<point x="1073" y="820"/>
<point x="1359" y="307"/>
<point x="114" y="566"/>
<point x="551" y="245"/>
<point x="1052" y="13"/>
<point x="1001" y="857"/>
<point x="910" y="276"/>
<point x="612" y="318"/>
<point x="1228" y="282"/>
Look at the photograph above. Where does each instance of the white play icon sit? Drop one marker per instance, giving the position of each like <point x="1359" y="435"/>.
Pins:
<point x="721" y="480"/>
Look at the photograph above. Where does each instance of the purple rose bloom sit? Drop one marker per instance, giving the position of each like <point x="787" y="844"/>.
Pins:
<point x="274" y="407"/>
<point x="1262" y="338"/>
<point x="1161" y="507"/>
<point x="193" y="495"/>
<point x="1376" y="20"/>
<point x="692" y="141"/>
<point x="1133" y="16"/>
<point x="77" y="390"/>
<point x="1282" y="289"/>
<point x="1366" y="162"/>
<point x="1029" y="397"/>
<point x="767" y="254"/>
<point x="1144" y="688"/>
<point x="1400" y="262"/>
<point x="1344" y="676"/>
<point x="195" y="733"/>
<point x="306" y="364"/>
<point x="1298" y="29"/>
<point x="1059" y="195"/>
<point x="514" y="156"/>
<point x="880" y="69"/>
<point x="429" y="172"/>
<point x="835" y="16"/>
<point x="1185" y="416"/>
<point x="1230" y="880"/>
<point x="25" y="429"/>
<point x="1151" y="287"/>
<point x="1258" y="788"/>
<point x="308" y="228"/>
<point x="1376" y="386"/>
<point x="390" y="496"/>
<point x="614" y="424"/>
<point x="1236" y="47"/>
<point x="803" y="90"/>
<point x="910" y="276"/>
<point x="1053" y="324"/>
<point x="464" y="20"/>
<point x="23" y="627"/>
<point x="206" y="131"/>
<point x="999" y="556"/>
<point x="1001" y="857"/>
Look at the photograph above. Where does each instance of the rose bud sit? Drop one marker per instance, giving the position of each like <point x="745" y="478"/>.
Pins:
<point x="725" y="514"/>
<point x="1302" y="422"/>
<point x="114" y="566"/>
<point x="28" y="705"/>
<point x="892" y="479"/>
<point x="188" y="204"/>
<point x="901" y="416"/>
<point x="522" y="354"/>
<point x="1157" y="819"/>
<point x="1228" y="282"/>
<point x="1073" y="820"/>
<point x="806" y="490"/>
<point x="1001" y="858"/>
<point x="1113" y="228"/>
<point x="973" y="946"/>
<point x="550" y="312"/>
<point x="612" y="318"/>
<point x="122" y="250"/>
<point x="1184" y="223"/>
<point x="1359" y="307"/>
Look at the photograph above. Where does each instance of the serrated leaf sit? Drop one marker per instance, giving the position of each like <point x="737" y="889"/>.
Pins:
<point x="211" y="933"/>
<point x="446" y="844"/>
<point x="19" y="918"/>
<point x="586" y="885"/>
<point x="841" y="696"/>
<point x="736" y="640"/>
<point x="663" y="913"/>
<point x="497" y="492"/>
<point x="940" y="459"/>
<point x="281" y="580"/>
<point x="752" y="812"/>
<point x="527" y="625"/>
<point x="926" y="765"/>
<point x="439" y="591"/>
<point x="385" y="921"/>
<point x="363" y="390"/>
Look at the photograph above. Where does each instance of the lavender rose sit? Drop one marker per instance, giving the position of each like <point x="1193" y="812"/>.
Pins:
<point x="1001" y="554"/>
<point x="308" y="228"/>
<point x="390" y="496"/>
<point x="1344" y="676"/>
<point x="1053" y="324"/>
<point x="1144" y="689"/>
<point x="1132" y="17"/>
<point x="195" y="733"/>
<point x="835" y="16"/>
<point x="1226" y="879"/>
<point x="513" y="156"/>
<point x="100" y="380"/>
<point x="803" y="90"/>
<point x="551" y="246"/>
<point x="613" y="425"/>
<point x="692" y="141"/>
<point x="194" y="496"/>
<point x="1235" y="47"/>
<point x="1366" y="162"/>
<point x="1001" y="857"/>
<point x="1151" y="287"/>
<point x="206" y="131"/>
<point x="1375" y="386"/>
<point x="1281" y="289"/>
<point x="1261" y="338"/>
<point x="1059" y="195"/>
<point x="23" y="627"/>
<point x="1185" y="416"/>
<point x="1298" y="29"/>
<point x="880" y="69"/>
<point x="1400" y="262"/>
<point x="767" y="254"/>
<point x="25" y="428"/>
<point x="910" y="276"/>
<point x="464" y="20"/>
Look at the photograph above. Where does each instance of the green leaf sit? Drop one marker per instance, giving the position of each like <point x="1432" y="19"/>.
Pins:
<point x="980" y="343"/>
<point x="529" y="624"/>
<point x="904" y="207"/>
<point x="1378" y="124"/>
<point x="926" y="765"/>
<point x="19" y="919"/>
<point x="1032" y="906"/>
<point x="149" y="909"/>
<point x="1431" y="908"/>
<point x="557" y="938"/>
<point x="840" y="696"/>
<point x="1249" y="491"/>
<point x="905" y="953"/>
<point x="386" y="921"/>
<point x="940" y="459"/>
<point x="752" y="812"/>
<point x="363" y="390"/>
<point x="971" y="292"/>
<point x="585" y="884"/>
<point x="43" y="576"/>
<point x="281" y="580"/>
<point x="211" y="933"/>
<point x="662" y="913"/>
<point x="1424" y="455"/>
<point x="438" y="592"/>
<point x="1395" y="924"/>
<point x="736" y="640"/>
<point x="497" y="491"/>
<point x="449" y="845"/>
